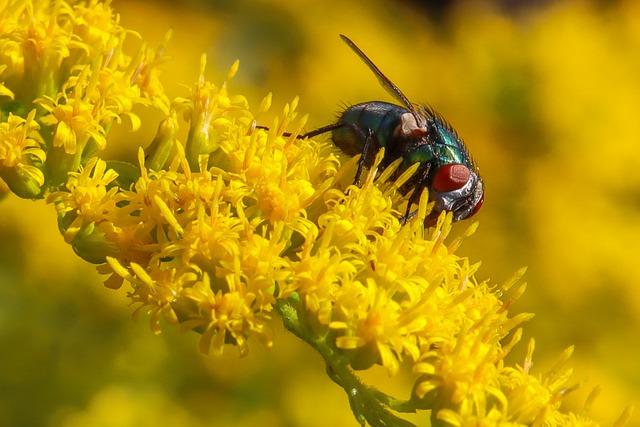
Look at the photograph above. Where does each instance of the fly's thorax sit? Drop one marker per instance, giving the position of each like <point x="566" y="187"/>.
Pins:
<point x="448" y="146"/>
<point x="419" y="150"/>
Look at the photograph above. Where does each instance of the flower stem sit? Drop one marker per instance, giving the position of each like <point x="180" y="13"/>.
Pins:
<point x="368" y="404"/>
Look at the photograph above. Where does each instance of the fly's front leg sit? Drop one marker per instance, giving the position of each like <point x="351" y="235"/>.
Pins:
<point x="417" y="191"/>
<point x="366" y="136"/>
<point x="311" y="133"/>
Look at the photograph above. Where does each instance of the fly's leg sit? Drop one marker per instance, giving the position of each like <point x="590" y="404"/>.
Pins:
<point x="321" y="130"/>
<point x="366" y="151"/>
<point x="311" y="133"/>
<point x="415" y="196"/>
<point x="367" y="137"/>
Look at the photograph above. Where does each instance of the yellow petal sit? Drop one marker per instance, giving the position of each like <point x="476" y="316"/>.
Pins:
<point x="65" y="137"/>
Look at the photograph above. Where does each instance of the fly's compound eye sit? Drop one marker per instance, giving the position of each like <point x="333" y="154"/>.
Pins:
<point x="451" y="177"/>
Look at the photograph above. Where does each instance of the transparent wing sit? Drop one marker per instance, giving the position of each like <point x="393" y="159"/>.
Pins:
<point x="391" y="88"/>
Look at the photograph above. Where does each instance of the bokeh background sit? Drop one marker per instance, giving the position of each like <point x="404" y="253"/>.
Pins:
<point x="547" y="97"/>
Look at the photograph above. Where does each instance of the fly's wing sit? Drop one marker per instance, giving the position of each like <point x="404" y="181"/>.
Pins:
<point x="391" y="88"/>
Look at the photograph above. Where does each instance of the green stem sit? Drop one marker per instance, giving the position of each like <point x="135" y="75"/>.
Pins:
<point x="368" y="405"/>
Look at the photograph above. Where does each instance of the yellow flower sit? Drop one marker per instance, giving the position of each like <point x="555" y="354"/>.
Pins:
<point x="71" y="61"/>
<point x="76" y="115"/>
<point x="145" y="74"/>
<point x="241" y="223"/>
<point x="21" y="155"/>
<point x="96" y="24"/>
<point x="37" y="38"/>
<point x="4" y="91"/>
<point x="88" y="194"/>
<point x="206" y="104"/>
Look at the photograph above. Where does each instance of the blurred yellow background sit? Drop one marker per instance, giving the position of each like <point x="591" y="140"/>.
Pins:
<point x="546" y="96"/>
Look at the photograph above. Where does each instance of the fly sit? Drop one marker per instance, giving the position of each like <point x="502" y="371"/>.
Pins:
<point x="415" y="134"/>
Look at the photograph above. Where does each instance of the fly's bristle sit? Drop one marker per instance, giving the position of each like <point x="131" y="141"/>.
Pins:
<point x="431" y="113"/>
<point x="343" y="106"/>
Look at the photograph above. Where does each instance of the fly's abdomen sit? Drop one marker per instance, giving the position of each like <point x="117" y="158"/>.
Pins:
<point x="381" y="118"/>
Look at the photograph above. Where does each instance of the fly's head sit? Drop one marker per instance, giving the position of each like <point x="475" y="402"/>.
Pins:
<point x="456" y="188"/>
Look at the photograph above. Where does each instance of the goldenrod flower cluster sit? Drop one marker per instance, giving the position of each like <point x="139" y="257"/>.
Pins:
<point x="220" y="226"/>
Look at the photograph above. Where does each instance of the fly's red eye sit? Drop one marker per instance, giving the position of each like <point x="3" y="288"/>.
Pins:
<point x="451" y="177"/>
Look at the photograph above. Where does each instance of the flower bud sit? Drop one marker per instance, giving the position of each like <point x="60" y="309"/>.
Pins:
<point x="24" y="183"/>
<point x="163" y="144"/>
<point x="90" y="242"/>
